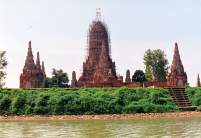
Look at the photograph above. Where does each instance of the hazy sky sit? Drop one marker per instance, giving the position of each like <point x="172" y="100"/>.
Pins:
<point x="58" y="29"/>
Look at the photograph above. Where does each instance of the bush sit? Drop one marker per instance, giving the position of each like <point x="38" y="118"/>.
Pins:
<point x="18" y="104"/>
<point x="41" y="106"/>
<point x="85" y="101"/>
<point x="5" y="103"/>
<point x="194" y="95"/>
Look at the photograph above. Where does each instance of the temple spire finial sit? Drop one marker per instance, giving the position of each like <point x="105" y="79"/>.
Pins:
<point x="98" y="14"/>
<point x="176" y="44"/>
<point x="176" y="49"/>
<point x="30" y="43"/>
<point x="30" y="48"/>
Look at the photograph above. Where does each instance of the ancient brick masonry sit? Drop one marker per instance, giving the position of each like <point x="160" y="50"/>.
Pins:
<point x="74" y="80"/>
<point x="177" y="76"/>
<point x="99" y="69"/>
<point x="33" y="75"/>
<point x="198" y="81"/>
<point x="128" y="78"/>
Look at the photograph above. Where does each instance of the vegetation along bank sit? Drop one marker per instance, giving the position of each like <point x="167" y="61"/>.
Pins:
<point x="88" y="101"/>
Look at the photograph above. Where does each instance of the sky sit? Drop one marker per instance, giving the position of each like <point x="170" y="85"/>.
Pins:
<point x="58" y="29"/>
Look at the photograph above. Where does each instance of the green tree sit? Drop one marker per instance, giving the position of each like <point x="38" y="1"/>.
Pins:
<point x="3" y="64"/>
<point x="139" y="76"/>
<point x="148" y="73"/>
<point x="156" y="65"/>
<point x="58" y="79"/>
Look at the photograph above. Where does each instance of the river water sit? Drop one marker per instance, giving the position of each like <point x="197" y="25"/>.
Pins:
<point x="181" y="127"/>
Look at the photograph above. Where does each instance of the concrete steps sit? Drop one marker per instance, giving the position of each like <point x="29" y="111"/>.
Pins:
<point x="181" y="99"/>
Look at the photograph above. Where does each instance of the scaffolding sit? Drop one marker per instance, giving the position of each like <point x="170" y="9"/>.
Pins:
<point x="98" y="60"/>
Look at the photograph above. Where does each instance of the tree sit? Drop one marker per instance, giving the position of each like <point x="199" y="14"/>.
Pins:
<point x="139" y="76"/>
<point x="156" y="65"/>
<point x="3" y="64"/>
<point x="58" y="79"/>
<point x="148" y="73"/>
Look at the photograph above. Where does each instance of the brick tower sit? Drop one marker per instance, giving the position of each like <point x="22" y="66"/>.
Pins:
<point x="177" y="76"/>
<point x="128" y="78"/>
<point x="33" y="75"/>
<point x="74" y="80"/>
<point x="98" y="69"/>
<point x="198" y="81"/>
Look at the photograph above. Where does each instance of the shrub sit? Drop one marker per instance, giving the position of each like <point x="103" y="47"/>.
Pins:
<point x="41" y="106"/>
<point x="18" y="104"/>
<point x="194" y="95"/>
<point x="5" y="103"/>
<point x="85" y="101"/>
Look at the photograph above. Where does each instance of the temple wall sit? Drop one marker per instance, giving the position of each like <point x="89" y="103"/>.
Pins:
<point x="147" y="84"/>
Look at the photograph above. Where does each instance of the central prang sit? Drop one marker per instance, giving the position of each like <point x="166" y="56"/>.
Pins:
<point x="99" y="69"/>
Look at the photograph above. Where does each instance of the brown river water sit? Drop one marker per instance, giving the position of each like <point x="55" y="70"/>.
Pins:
<point x="175" y="127"/>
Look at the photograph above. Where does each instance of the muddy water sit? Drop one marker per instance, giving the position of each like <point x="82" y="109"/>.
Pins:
<point x="182" y="127"/>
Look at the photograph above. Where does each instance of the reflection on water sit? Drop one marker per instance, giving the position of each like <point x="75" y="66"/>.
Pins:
<point x="99" y="129"/>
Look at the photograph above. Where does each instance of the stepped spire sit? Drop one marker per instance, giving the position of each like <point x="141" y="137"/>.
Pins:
<point x="198" y="81"/>
<point x="32" y="75"/>
<point x="38" y="65"/>
<point x="177" y="76"/>
<point x="29" y="63"/>
<point x="98" y="69"/>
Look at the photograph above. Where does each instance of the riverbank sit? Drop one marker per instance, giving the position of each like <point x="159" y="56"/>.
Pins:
<point x="102" y="117"/>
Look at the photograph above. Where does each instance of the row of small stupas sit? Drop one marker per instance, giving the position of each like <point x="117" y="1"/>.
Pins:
<point x="99" y="70"/>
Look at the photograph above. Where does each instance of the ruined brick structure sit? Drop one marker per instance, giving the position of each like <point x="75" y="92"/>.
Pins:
<point x="198" y="81"/>
<point x="33" y="75"/>
<point x="128" y="78"/>
<point x="99" y="69"/>
<point x="74" y="80"/>
<point x="177" y="76"/>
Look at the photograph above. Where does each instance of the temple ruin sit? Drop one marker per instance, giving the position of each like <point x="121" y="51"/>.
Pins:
<point x="128" y="78"/>
<point x="33" y="75"/>
<point x="99" y="70"/>
<point x="177" y="76"/>
<point x="74" y="80"/>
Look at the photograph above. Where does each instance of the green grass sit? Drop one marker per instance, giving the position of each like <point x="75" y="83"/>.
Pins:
<point x="84" y="101"/>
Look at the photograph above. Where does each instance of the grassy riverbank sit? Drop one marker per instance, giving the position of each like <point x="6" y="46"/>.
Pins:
<point x="87" y="101"/>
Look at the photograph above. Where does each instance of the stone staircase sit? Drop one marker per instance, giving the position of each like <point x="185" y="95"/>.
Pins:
<point x="181" y="98"/>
